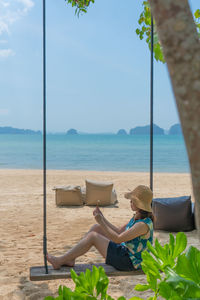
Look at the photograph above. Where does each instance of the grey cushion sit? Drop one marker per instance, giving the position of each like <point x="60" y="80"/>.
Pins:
<point x="173" y="214"/>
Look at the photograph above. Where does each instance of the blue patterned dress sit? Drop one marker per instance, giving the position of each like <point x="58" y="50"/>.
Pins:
<point x="139" y="244"/>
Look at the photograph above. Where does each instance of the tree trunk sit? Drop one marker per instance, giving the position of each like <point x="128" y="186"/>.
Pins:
<point x="181" y="47"/>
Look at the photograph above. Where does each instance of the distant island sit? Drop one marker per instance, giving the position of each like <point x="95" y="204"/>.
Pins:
<point x="175" y="129"/>
<point x="142" y="130"/>
<point x="138" y="130"/>
<point x="72" y="131"/>
<point x="122" y="132"/>
<point x="12" y="130"/>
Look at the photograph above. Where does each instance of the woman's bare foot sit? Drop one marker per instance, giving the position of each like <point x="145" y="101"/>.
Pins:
<point x="56" y="262"/>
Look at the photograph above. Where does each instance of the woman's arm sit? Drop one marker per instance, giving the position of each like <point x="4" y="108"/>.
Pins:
<point x="114" y="228"/>
<point x="110" y="225"/>
<point x="138" y="229"/>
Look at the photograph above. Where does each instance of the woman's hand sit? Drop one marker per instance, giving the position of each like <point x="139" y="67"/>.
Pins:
<point x="97" y="211"/>
<point x="98" y="217"/>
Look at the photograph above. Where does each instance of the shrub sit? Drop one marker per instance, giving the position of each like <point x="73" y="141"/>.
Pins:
<point x="171" y="273"/>
<point x="90" y="285"/>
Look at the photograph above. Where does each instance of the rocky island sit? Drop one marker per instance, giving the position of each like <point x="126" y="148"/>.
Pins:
<point x="144" y="130"/>
<point x="12" y="130"/>
<point x="175" y="129"/>
<point x="72" y="131"/>
<point x="121" y="132"/>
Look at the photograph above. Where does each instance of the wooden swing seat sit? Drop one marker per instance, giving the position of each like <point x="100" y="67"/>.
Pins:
<point x="39" y="273"/>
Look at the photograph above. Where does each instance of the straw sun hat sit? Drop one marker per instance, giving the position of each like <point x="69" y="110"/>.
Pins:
<point x="141" y="197"/>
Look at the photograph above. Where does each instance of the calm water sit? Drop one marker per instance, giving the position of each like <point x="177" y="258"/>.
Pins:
<point x="94" y="152"/>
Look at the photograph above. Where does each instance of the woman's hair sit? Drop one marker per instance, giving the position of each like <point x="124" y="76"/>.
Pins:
<point x="142" y="214"/>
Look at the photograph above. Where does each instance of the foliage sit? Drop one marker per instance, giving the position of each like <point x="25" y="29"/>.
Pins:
<point x="144" y="30"/>
<point x="197" y="20"/>
<point x="90" y="285"/>
<point x="80" y="5"/>
<point x="172" y="274"/>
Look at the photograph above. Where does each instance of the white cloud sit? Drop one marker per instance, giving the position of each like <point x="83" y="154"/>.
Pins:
<point x="4" y="53"/>
<point x="5" y="4"/>
<point x="3" y="26"/>
<point x="11" y="11"/>
<point x="27" y="5"/>
<point x="4" y="111"/>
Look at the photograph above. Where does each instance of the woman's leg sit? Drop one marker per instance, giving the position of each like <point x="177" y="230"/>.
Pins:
<point x="91" y="239"/>
<point x="97" y="228"/>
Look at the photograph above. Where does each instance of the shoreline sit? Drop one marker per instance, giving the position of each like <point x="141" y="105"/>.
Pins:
<point x="92" y="171"/>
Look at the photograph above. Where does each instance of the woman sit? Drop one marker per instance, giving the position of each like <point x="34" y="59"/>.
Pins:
<point x="121" y="247"/>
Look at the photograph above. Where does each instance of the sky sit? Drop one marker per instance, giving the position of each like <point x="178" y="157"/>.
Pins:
<point x="98" y="71"/>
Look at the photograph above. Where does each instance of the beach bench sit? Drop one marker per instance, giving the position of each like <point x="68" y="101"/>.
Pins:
<point x="39" y="273"/>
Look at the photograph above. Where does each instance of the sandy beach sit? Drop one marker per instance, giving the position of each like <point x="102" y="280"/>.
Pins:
<point x="21" y="225"/>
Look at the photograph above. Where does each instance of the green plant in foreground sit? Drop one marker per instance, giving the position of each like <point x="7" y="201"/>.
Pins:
<point x="89" y="285"/>
<point x="171" y="273"/>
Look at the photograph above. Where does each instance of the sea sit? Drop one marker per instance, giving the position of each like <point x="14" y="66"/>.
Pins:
<point x="100" y="152"/>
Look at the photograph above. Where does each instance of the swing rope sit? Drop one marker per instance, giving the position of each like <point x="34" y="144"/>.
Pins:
<point x="151" y="109"/>
<point x="44" y="139"/>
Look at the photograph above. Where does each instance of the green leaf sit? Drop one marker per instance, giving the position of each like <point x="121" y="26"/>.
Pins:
<point x="197" y="13"/>
<point x="80" y="5"/>
<point x="88" y="278"/>
<point x="142" y="287"/>
<point x="167" y="291"/>
<point x="171" y="244"/>
<point x="109" y="298"/>
<point x="137" y="31"/>
<point x="60" y="298"/>
<point x="188" y="265"/>
<point x="152" y="249"/>
<point x="141" y="35"/>
<point x="102" y="283"/>
<point x="136" y="298"/>
<point x="161" y="252"/>
<point x="67" y="292"/>
<point x="95" y="276"/>
<point x="150" y="265"/>
<point x="74" y="276"/>
<point x="152" y="281"/>
<point x="181" y="243"/>
<point x="185" y="288"/>
<point x="60" y="290"/>
<point x="49" y="298"/>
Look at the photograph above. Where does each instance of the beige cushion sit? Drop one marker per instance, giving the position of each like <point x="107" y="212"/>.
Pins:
<point x="68" y="195"/>
<point x="99" y="193"/>
<point x="114" y="196"/>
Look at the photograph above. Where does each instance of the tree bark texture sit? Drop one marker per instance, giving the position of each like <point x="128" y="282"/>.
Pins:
<point x="181" y="47"/>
